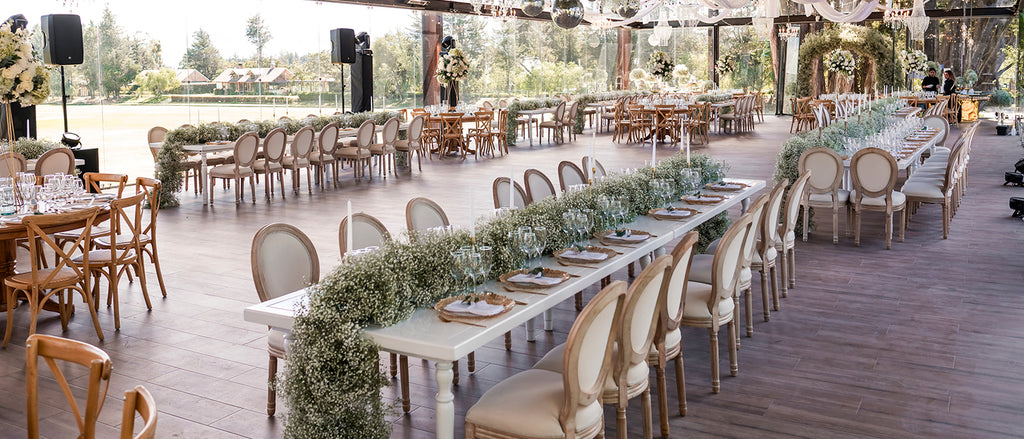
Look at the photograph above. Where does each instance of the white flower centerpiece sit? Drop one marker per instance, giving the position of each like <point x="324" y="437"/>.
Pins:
<point x="661" y="66"/>
<point x="840" y="62"/>
<point x="23" y="79"/>
<point x="451" y="68"/>
<point x="916" y="61"/>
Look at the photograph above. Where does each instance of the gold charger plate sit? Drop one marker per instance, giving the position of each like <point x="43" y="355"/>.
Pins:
<point x="491" y="298"/>
<point x="703" y="199"/>
<point x="655" y="213"/>
<point x="724" y="187"/>
<point x="548" y="272"/>
<point x="604" y="238"/>
<point x="611" y="253"/>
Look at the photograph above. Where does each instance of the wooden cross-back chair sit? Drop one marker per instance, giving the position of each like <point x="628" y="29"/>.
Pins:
<point x="93" y="183"/>
<point x="139" y="400"/>
<point x="52" y="349"/>
<point x="451" y="135"/>
<point x="38" y="285"/>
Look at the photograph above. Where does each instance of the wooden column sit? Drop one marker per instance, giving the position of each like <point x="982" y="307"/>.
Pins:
<point x="432" y="30"/>
<point x="713" y="52"/>
<point x="623" y="58"/>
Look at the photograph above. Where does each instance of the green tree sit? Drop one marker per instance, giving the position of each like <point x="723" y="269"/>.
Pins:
<point x="202" y="55"/>
<point x="257" y="33"/>
<point x="158" y="82"/>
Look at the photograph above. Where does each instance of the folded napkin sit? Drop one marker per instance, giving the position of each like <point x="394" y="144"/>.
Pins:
<point x="585" y="255"/>
<point x="675" y="213"/>
<point x="627" y="237"/>
<point x="480" y="308"/>
<point x="727" y="186"/>
<point x="523" y="278"/>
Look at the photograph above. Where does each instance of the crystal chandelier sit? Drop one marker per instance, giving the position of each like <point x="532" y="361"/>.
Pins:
<point x="787" y="32"/>
<point x="894" y="17"/>
<point x="503" y="10"/>
<point x="662" y="31"/>
<point x="917" y="23"/>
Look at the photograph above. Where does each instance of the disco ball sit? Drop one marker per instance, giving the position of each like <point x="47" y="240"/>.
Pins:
<point x="567" y="14"/>
<point x="594" y="40"/>
<point x="625" y="8"/>
<point x="532" y="8"/>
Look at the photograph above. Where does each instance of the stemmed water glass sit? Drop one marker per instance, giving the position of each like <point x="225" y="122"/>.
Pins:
<point x="541" y="235"/>
<point x="458" y="269"/>
<point x="472" y="269"/>
<point x="527" y="243"/>
<point x="586" y="224"/>
<point x="486" y="259"/>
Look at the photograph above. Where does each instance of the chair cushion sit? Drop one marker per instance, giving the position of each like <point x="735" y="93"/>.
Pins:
<point x="380" y="148"/>
<point x="402" y="145"/>
<point x="64" y="277"/>
<point x="672" y="339"/>
<point x="696" y="306"/>
<point x="228" y="171"/>
<point x="319" y="157"/>
<point x="527" y="404"/>
<point x="351" y="153"/>
<point x="923" y="189"/>
<point x="289" y="161"/>
<point x="75" y="234"/>
<point x="348" y="142"/>
<point x="771" y="254"/>
<point x="637" y="374"/>
<point x="898" y="199"/>
<point x="102" y="257"/>
<point x="842" y="197"/>
<point x="263" y="166"/>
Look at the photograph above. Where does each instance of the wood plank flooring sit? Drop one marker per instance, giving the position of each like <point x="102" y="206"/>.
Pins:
<point x="923" y="340"/>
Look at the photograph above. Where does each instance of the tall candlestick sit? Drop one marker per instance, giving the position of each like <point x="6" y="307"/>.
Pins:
<point x="472" y="218"/>
<point x="348" y="230"/>
<point x="592" y="164"/>
<point x="654" y="150"/>
<point x="511" y="188"/>
<point x="687" y="149"/>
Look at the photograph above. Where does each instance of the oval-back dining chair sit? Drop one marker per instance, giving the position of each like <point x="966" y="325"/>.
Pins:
<point x="54" y="161"/>
<point x="874" y="173"/>
<point x="422" y="214"/>
<point x="499" y="192"/>
<point x="538" y="185"/>
<point x="367" y="231"/>
<point x="824" y="188"/>
<point x="570" y="175"/>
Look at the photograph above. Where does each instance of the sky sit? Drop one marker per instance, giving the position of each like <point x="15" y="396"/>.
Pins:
<point x="299" y="26"/>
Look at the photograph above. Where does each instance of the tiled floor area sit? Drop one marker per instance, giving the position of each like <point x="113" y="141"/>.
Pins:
<point x="923" y="340"/>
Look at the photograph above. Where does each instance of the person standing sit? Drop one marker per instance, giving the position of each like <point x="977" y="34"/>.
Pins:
<point x="930" y="83"/>
<point x="949" y="85"/>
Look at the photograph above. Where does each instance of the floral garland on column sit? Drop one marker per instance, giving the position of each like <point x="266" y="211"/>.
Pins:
<point x="23" y="79"/>
<point x="332" y="379"/>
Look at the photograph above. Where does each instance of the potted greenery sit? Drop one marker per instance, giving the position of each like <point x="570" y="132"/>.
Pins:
<point x="1001" y="99"/>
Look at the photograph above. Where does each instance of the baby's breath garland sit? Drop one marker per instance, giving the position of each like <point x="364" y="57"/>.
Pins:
<point x="332" y="379"/>
<point x="168" y="161"/>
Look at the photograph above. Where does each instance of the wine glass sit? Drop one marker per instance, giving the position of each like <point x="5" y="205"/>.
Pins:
<point x="527" y="243"/>
<point x="486" y="259"/>
<point x="458" y="270"/>
<point x="586" y="224"/>
<point x="472" y="269"/>
<point x="541" y="235"/>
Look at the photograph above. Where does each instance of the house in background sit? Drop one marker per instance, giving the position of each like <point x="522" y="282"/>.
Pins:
<point x="245" y="80"/>
<point x="190" y="76"/>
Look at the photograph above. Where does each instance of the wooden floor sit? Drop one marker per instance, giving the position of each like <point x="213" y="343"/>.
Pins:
<point x="923" y="340"/>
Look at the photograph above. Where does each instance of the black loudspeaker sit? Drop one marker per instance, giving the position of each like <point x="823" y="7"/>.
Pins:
<point x="62" y="39"/>
<point x="343" y="46"/>
<point x="24" y="121"/>
<point x="362" y="76"/>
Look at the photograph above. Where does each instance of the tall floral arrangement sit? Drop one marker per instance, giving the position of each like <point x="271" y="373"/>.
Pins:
<point x="23" y="78"/>
<point x="452" y="67"/>
<point x="726" y="64"/>
<point x="915" y="60"/>
<point x="840" y="61"/>
<point x="661" y="65"/>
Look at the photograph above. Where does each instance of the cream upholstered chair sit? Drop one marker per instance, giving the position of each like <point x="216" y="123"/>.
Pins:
<point x="570" y="175"/>
<point x="668" y="339"/>
<point x="499" y="192"/>
<point x="138" y="400"/>
<point x="941" y="182"/>
<point x="56" y="160"/>
<point x="367" y="231"/>
<point x="53" y="349"/>
<point x="942" y="125"/>
<point x="638" y="319"/>
<point x="538" y="186"/>
<point x="554" y="126"/>
<point x="824" y="188"/>
<point x="598" y="168"/>
<point x="62" y="281"/>
<point x="702" y="266"/>
<point x="358" y="154"/>
<point x="323" y="157"/>
<point x="786" y="244"/>
<point x="542" y="404"/>
<point x="385" y="150"/>
<point x="766" y="256"/>
<point x="11" y="163"/>
<point x="874" y="172"/>
<point x="246" y="148"/>
<point x="112" y="261"/>
<point x="270" y="164"/>
<point x="710" y="306"/>
<point x="414" y="143"/>
<point x="298" y="158"/>
<point x="422" y="214"/>
<point x="283" y="260"/>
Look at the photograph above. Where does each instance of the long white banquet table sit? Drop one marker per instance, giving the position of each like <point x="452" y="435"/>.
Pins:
<point x="539" y="114"/>
<point x="906" y="163"/>
<point x="425" y="336"/>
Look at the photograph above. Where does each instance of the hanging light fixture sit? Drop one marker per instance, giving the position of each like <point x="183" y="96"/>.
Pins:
<point x="662" y="30"/>
<point x="567" y="14"/>
<point x="917" y="23"/>
<point x="504" y="10"/>
<point x="786" y="32"/>
<point x="532" y="8"/>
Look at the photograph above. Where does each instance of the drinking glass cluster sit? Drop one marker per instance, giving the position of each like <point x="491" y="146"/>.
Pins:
<point x="470" y="266"/>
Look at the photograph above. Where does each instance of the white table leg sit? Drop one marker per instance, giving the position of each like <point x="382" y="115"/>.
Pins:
<point x="529" y="128"/>
<point x="531" y="330"/>
<point x="548" y="326"/>
<point x="445" y="406"/>
<point x="744" y="204"/>
<point x="203" y="183"/>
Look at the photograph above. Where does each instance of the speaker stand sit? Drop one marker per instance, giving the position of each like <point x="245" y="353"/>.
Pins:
<point x="63" y="99"/>
<point x="342" y="88"/>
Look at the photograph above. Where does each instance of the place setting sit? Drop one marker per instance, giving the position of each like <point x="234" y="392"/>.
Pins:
<point x="470" y="306"/>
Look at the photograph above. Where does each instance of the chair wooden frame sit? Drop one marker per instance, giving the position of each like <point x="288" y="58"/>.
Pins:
<point x="52" y="348"/>
<point x="416" y="203"/>
<point x="323" y="158"/>
<point x="451" y="136"/>
<point x="567" y="166"/>
<point x="413" y="144"/>
<point x="92" y="183"/>
<point x="819" y="184"/>
<point x="576" y="393"/>
<point x="139" y="400"/>
<point x="385" y="150"/>
<point x="530" y="174"/>
<point x="11" y="163"/>
<point x="259" y="279"/>
<point x="886" y="191"/>
<point x="359" y="155"/>
<point x="555" y="126"/>
<point x="274" y="146"/>
<point x="784" y="245"/>
<point x="244" y="156"/>
<point x="301" y="148"/>
<point x="598" y="170"/>
<point x="359" y="218"/>
<point x="497" y="192"/>
<point x="151" y="187"/>
<point x="41" y="168"/>
<point x="63" y="277"/>
<point x="768" y="232"/>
